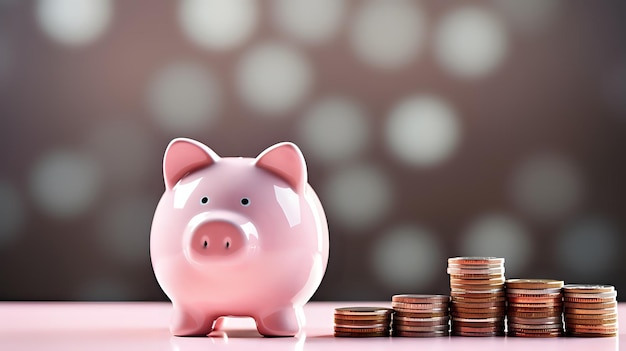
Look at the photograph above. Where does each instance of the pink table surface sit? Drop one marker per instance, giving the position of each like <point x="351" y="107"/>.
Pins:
<point x="143" y="326"/>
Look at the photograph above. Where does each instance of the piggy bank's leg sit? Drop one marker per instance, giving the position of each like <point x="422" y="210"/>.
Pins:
<point x="190" y="322"/>
<point x="219" y="323"/>
<point x="285" y="321"/>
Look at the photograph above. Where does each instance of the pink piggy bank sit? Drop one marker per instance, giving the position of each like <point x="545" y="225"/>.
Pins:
<point x="237" y="236"/>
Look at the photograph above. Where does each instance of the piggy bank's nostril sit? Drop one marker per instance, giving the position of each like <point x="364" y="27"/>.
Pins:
<point x="217" y="238"/>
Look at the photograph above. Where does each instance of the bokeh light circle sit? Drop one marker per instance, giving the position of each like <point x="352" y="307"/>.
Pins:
<point x="65" y="183"/>
<point x="422" y="130"/>
<point x="272" y="78"/>
<point x="311" y="22"/>
<point x="218" y="24"/>
<point x="499" y="235"/>
<point x="357" y="196"/>
<point x="404" y="257"/>
<point x="470" y="42"/>
<point x="334" y="129"/>
<point x="387" y="34"/>
<point x="74" y="22"/>
<point x="184" y="97"/>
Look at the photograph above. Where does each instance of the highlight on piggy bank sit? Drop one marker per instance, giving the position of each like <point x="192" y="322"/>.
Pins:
<point x="237" y="236"/>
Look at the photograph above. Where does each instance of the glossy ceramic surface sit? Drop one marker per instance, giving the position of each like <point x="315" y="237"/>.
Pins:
<point x="144" y="326"/>
<point x="237" y="237"/>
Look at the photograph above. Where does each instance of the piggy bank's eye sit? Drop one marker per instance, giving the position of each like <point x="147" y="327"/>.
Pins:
<point x="245" y="201"/>
<point x="204" y="200"/>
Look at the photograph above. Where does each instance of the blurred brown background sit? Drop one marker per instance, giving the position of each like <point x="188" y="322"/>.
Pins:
<point x="431" y="129"/>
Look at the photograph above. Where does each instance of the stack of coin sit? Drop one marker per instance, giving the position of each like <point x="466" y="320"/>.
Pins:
<point x="477" y="289"/>
<point x="420" y="315"/>
<point x="362" y="321"/>
<point x="535" y="307"/>
<point x="590" y="310"/>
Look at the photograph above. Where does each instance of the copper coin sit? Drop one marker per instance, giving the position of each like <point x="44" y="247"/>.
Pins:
<point x="430" y="334"/>
<point x="474" y="295"/>
<point x="588" y="288"/>
<point x="534" y="284"/>
<point x="576" y="327"/>
<point x="487" y="334"/>
<point x="539" y="331"/>
<point x="488" y="281"/>
<point x="500" y="323"/>
<point x="477" y="329"/>
<point x="422" y="313"/>
<point x="594" y="312"/>
<point x="603" y="321"/>
<point x="554" y="304"/>
<point x="519" y="326"/>
<point x="535" y="300"/>
<point x="365" y="318"/>
<point x="475" y="260"/>
<point x="360" y="321"/>
<point x="441" y="320"/>
<point x="553" y="309"/>
<point x="361" y="335"/>
<point x="360" y="311"/>
<point x="488" y="292"/>
<point x="592" y="335"/>
<point x="534" y="314"/>
<point x="587" y="329"/>
<point x="533" y="291"/>
<point x="477" y="315"/>
<point x="591" y="306"/>
<point x="494" y="299"/>
<point x="418" y="306"/>
<point x="353" y="327"/>
<point x="544" y="320"/>
<point x="423" y="299"/>
<point x="422" y="329"/>
<point x="478" y="320"/>
<point x="472" y="276"/>
<point x="569" y="316"/>
<point x="401" y="324"/>
<point x="477" y="287"/>
<point x="426" y="314"/>
<point x="588" y="300"/>
<point x="477" y="305"/>
<point x="477" y="310"/>
<point x="419" y="324"/>
<point x="475" y="272"/>
<point x="600" y="295"/>
<point x="535" y="335"/>
<point x="477" y="267"/>
<point x="376" y="329"/>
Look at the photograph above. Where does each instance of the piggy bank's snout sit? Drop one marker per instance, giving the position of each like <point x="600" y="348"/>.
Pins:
<point x="219" y="235"/>
<point x="217" y="238"/>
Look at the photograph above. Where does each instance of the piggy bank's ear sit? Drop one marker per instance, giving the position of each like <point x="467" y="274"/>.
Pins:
<point x="286" y="161"/>
<point x="183" y="156"/>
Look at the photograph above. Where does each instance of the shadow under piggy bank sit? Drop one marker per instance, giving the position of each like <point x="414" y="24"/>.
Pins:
<point x="244" y="338"/>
